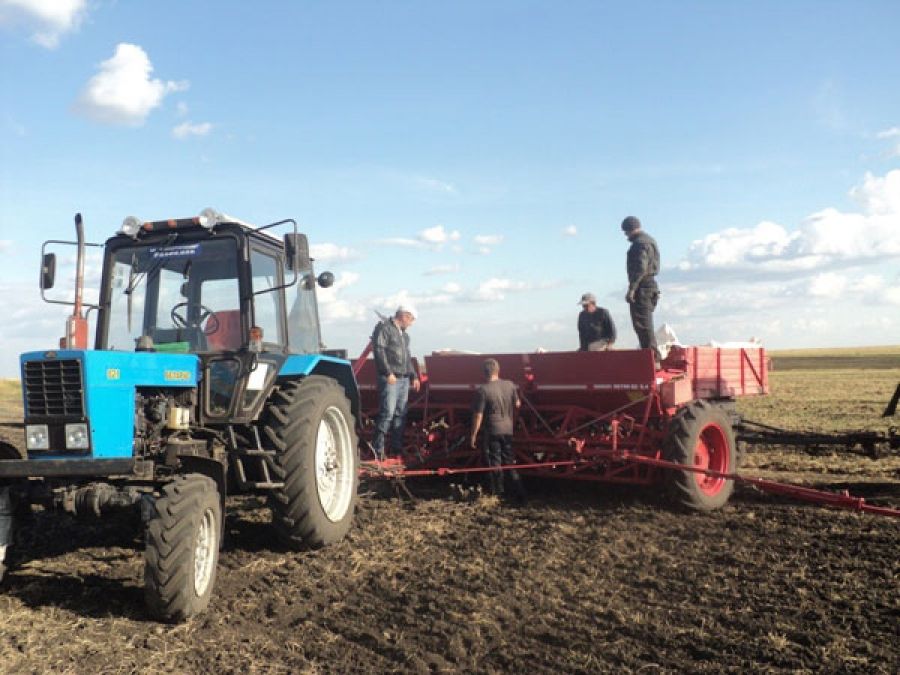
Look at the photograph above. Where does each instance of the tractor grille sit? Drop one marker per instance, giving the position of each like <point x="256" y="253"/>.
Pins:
<point x="54" y="388"/>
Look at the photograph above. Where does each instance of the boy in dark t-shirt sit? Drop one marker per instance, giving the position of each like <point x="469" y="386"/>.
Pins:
<point x="495" y="404"/>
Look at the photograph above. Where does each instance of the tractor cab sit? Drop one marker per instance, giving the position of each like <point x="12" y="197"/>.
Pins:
<point x="239" y="298"/>
<point x="184" y="286"/>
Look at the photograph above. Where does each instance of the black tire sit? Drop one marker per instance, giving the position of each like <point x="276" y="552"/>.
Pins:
<point x="182" y="548"/>
<point x="315" y="507"/>
<point x="701" y="435"/>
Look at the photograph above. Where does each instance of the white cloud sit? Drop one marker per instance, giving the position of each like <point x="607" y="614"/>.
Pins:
<point x="5" y="245"/>
<point x="438" y="235"/>
<point x="435" y="185"/>
<point x="403" y="241"/>
<point x="48" y="20"/>
<point x="551" y="327"/>
<point x="828" y="285"/>
<point x="341" y="309"/>
<point x="826" y="239"/>
<point x="441" y="269"/>
<point x="880" y="196"/>
<point x="734" y="247"/>
<point x="122" y="91"/>
<point x="496" y="289"/>
<point x="182" y="109"/>
<point x="434" y="238"/>
<point x="891" y="134"/>
<point x="334" y="307"/>
<point x="570" y="231"/>
<point x="488" y="239"/>
<point x="869" y="283"/>
<point x="187" y="129"/>
<point x="328" y="252"/>
<point x="452" y="287"/>
<point x="483" y="250"/>
<point x="892" y="295"/>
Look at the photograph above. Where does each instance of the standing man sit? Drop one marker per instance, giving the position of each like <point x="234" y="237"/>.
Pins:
<point x="643" y="293"/>
<point x="596" y="330"/>
<point x="393" y="362"/>
<point x="496" y="402"/>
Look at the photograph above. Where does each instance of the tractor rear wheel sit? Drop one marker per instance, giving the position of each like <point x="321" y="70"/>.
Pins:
<point x="182" y="548"/>
<point x="310" y="426"/>
<point x="701" y="436"/>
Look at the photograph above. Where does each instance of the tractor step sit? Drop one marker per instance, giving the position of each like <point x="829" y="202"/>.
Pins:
<point x="253" y="465"/>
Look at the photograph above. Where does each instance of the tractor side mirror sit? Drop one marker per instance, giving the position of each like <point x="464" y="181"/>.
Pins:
<point x="296" y="251"/>
<point x="326" y="279"/>
<point x="48" y="271"/>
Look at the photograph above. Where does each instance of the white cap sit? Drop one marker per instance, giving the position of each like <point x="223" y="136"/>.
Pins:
<point x="408" y="308"/>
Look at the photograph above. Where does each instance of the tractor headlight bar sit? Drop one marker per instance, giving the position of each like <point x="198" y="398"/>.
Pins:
<point x="77" y="436"/>
<point x="131" y="226"/>
<point x="37" y="437"/>
<point x="209" y="218"/>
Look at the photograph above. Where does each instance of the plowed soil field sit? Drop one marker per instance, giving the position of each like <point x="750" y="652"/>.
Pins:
<point x="581" y="579"/>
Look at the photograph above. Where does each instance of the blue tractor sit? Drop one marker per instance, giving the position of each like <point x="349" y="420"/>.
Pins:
<point x="208" y="377"/>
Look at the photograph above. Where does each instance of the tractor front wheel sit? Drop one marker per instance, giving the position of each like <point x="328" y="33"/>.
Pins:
<point x="311" y="428"/>
<point x="701" y="436"/>
<point x="182" y="548"/>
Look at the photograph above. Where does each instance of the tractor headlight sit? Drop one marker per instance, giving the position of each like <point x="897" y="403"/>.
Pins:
<point x="77" y="436"/>
<point x="131" y="226"/>
<point x="37" y="437"/>
<point x="209" y="218"/>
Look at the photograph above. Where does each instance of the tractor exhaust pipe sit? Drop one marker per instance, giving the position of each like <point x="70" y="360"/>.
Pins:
<point x="77" y="325"/>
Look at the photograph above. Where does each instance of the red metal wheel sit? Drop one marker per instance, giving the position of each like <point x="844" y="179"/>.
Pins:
<point x="711" y="452"/>
<point x="700" y="436"/>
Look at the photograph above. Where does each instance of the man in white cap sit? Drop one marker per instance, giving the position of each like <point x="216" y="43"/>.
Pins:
<point x="393" y="363"/>
<point x="596" y="330"/>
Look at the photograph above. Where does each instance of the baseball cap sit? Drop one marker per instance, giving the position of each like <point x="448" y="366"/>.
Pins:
<point x="588" y="297"/>
<point x="409" y="309"/>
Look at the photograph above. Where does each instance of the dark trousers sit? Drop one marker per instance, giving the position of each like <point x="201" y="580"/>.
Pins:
<point x="642" y="317"/>
<point x="6" y="517"/>
<point x="498" y="452"/>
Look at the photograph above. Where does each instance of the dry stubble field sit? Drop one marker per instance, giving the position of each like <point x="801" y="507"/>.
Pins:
<point x="582" y="579"/>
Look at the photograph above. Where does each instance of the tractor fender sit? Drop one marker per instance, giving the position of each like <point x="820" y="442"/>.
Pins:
<point x="340" y="370"/>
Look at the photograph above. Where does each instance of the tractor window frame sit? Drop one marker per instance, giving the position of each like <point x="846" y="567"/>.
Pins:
<point x="259" y="248"/>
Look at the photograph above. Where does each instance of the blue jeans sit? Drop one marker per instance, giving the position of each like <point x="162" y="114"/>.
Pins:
<point x="392" y="400"/>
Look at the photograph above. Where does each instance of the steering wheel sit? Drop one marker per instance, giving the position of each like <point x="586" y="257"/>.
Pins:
<point x="212" y="324"/>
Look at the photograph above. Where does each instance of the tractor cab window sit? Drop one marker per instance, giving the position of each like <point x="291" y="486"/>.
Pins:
<point x="183" y="296"/>
<point x="268" y="307"/>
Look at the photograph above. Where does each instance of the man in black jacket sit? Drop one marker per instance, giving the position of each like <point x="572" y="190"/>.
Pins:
<point x="596" y="330"/>
<point x="643" y="293"/>
<point x="393" y="362"/>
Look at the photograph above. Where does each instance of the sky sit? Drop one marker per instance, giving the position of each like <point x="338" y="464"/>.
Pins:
<point x="476" y="158"/>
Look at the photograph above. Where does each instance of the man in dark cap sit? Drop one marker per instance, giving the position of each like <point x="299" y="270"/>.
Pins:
<point x="643" y="293"/>
<point x="596" y="330"/>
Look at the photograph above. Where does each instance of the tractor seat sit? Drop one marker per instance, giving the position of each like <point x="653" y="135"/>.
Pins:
<point x="227" y="337"/>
